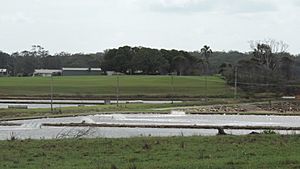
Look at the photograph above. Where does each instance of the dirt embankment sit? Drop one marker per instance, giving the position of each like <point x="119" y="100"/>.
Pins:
<point x="276" y="107"/>
<point x="281" y="107"/>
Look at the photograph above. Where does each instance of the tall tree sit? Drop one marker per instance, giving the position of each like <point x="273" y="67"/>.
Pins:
<point x="266" y="52"/>
<point x="206" y="53"/>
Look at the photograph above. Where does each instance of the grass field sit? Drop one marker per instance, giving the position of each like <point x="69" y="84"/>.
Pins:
<point x="226" y="152"/>
<point x="84" y="110"/>
<point x="15" y="114"/>
<point x="130" y="86"/>
<point x="123" y="108"/>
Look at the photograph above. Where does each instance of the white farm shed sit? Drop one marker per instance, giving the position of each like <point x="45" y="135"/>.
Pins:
<point x="3" y="72"/>
<point x="46" y="72"/>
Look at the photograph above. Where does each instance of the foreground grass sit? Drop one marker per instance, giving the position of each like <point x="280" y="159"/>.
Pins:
<point x="260" y="151"/>
<point x="105" y="86"/>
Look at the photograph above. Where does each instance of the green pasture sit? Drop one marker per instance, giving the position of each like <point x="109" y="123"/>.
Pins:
<point x="106" y="86"/>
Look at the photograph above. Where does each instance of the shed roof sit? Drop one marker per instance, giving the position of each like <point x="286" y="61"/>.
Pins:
<point x="46" y="71"/>
<point x="81" y="69"/>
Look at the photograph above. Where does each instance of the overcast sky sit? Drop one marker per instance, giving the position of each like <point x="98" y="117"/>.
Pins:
<point x="95" y="25"/>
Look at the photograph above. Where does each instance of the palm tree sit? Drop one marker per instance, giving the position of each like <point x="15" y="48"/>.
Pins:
<point x="206" y="52"/>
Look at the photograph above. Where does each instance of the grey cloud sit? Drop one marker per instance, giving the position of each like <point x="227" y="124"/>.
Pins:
<point x="16" y="18"/>
<point x="250" y="6"/>
<point x="93" y="25"/>
<point x="184" y="6"/>
<point x="297" y="3"/>
<point x="224" y="6"/>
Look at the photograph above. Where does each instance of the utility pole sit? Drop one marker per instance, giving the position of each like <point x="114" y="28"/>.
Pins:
<point x="235" y="81"/>
<point x="172" y="87"/>
<point x="206" y="87"/>
<point x="51" y="87"/>
<point x="118" y="90"/>
<point x="205" y="78"/>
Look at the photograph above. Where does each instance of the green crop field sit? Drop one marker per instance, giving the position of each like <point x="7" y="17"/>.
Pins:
<point x="226" y="152"/>
<point x="129" y="86"/>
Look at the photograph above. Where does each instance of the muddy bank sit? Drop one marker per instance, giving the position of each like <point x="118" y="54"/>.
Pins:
<point x="172" y="126"/>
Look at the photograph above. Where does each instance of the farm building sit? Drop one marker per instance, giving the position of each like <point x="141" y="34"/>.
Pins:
<point x="3" y="72"/>
<point x="110" y="73"/>
<point x="47" y="72"/>
<point x="81" y="71"/>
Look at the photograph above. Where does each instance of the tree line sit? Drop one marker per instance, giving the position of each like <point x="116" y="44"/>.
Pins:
<point x="25" y="62"/>
<point x="267" y="63"/>
<point x="127" y="60"/>
<point x="141" y="60"/>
